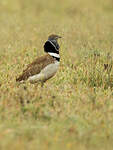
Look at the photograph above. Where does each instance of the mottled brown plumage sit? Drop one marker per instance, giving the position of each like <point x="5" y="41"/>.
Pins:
<point x="35" y="67"/>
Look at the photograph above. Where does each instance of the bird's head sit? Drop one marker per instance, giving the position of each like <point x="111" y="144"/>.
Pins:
<point x="51" y="45"/>
<point x="53" y="37"/>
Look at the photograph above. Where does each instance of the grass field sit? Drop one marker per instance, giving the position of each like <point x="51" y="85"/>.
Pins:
<point x="74" y="110"/>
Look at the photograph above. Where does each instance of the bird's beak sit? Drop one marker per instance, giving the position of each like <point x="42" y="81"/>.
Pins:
<point x="59" y="37"/>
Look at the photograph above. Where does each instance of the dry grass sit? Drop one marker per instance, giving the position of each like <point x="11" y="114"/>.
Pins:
<point x="74" y="109"/>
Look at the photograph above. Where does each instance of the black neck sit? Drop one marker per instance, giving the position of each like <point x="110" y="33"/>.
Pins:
<point x="51" y="46"/>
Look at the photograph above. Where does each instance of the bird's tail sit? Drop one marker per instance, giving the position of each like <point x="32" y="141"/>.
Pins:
<point x="20" y="78"/>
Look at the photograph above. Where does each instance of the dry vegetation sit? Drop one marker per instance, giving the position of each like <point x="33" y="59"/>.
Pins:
<point x="74" y="110"/>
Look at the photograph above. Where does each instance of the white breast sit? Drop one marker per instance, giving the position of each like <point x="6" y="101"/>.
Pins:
<point x="46" y="73"/>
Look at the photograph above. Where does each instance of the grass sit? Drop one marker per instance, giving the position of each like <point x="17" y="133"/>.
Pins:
<point x="74" y="109"/>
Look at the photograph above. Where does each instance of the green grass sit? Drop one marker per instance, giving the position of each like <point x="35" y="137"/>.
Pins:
<point x="74" y="110"/>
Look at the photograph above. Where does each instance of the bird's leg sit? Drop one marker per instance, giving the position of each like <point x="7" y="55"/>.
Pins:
<point x="38" y="84"/>
<point x="42" y="84"/>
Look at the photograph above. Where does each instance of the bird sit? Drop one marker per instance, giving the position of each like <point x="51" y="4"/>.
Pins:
<point x="43" y="67"/>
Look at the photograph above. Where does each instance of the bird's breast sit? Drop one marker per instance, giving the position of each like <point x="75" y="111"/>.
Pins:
<point x="50" y="69"/>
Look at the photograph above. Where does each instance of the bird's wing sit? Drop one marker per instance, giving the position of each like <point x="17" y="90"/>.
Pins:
<point x="35" y="67"/>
